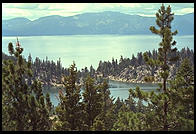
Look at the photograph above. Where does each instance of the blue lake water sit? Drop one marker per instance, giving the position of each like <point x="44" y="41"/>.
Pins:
<point x="117" y="89"/>
<point x="88" y="50"/>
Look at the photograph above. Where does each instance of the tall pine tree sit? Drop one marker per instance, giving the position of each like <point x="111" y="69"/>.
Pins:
<point x="69" y="111"/>
<point x="23" y="105"/>
<point x="181" y="92"/>
<point x="92" y="101"/>
<point x="164" y="17"/>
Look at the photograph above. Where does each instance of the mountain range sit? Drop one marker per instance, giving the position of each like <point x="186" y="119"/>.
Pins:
<point x="92" y="23"/>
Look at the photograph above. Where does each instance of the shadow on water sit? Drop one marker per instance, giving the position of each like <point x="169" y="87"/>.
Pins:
<point x="117" y="89"/>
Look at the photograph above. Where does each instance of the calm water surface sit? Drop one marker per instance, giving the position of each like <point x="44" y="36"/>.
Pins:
<point x="88" y="50"/>
<point x="117" y="89"/>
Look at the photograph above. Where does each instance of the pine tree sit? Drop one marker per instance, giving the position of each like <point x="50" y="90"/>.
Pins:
<point x="92" y="101"/>
<point x="39" y="115"/>
<point x="98" y="124"/>
<point x="134" y="61"/>
<point x="180" y="96"/>
<point x="49" y="104"/>
<point x="107" y="115"/>
<point x="164" y="18"/>
<point x="29" y="78"/>
<point x="140" y="58"/>
<point x="131" y="103"/>
<point x="128" y="120"/>
<point x="152" y="64"/>
<point x="69" y="111"/>
<point x="104" y="89"/>
<point x="181" y="92"/>
<point x="23" y="106"/>
<point x="92" y="71"/>
<point x="58" y="69"/>
<point x="118" y="104"/>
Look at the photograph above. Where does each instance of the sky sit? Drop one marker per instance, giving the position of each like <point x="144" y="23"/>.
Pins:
<point x="34" y="11"/>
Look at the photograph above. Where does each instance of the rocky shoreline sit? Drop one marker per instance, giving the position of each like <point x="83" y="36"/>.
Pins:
<point x="117" y="79"/>
<point x="127" y="75"/>
<point x="137" y="74"/>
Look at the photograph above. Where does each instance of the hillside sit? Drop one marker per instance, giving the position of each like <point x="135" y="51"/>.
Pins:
<point x="92" y="23"/>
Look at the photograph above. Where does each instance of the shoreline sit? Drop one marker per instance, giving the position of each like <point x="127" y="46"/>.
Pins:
<point x="110" y="79"/>
<point x="130" y="81"/>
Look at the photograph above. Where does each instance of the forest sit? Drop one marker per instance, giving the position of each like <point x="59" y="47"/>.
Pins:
<point x="49" y="72"/>
<point x="26" y="108"/>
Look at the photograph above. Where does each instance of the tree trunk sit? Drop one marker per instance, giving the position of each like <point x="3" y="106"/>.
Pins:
<point x="165" y="128"/>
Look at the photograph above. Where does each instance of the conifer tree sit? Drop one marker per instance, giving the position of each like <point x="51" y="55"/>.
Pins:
<point x="29" y="78"/>
<point x="181" y="92"/>
<point x="180" y="98"/>
<point x="23" y="106"/>
<point x="107" y="114"/>
<point x="118" y="104"/>
<point x="128" y="120"/>
<point x="104" y="89"/>
<point x="58" y="69"/>
<point x="69" y="111"/>
<point x="153" y="65"/>
<point x="98" y="124"/>
<point x="130" y="103"/>
<point x="164" y="17"/>
<point x="144" y="116"/>
<point x="49" y="104"/>
<point x="92" y="101"/>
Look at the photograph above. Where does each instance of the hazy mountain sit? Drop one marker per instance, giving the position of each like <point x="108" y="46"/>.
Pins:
<point x="92" y="23"/>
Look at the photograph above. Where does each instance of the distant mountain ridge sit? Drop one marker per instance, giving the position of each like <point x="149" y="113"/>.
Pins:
<point x="92" y="23"/>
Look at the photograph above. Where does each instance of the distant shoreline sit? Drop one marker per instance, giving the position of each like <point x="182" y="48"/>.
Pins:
<point x="128" y="82"/>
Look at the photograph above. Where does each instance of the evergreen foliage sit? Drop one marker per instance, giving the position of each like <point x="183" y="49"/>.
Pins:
<point x="181" y="92"/>
<point x="23" y="106"/>
<point x="164" y="18"/>
<point x="92" y="101"/>
<point x="171" y="108"/>
<point x="47" y="76"/>
<point x="70" y="109"/>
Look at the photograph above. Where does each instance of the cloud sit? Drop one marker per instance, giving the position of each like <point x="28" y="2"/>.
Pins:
<point x="112" y="6"/>
<point x="14" y="12"/>
<point x="21" y="5"/>
<point x="34" y="11"/>
<point x="147" y="15"/>
<point x="71" y="7"/>
<point x="184" y="10"/>
<point x="43" y="6"/>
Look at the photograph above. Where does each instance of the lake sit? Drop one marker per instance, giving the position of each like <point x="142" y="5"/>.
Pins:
<point x="87" y="50"/>
<point x="117" y="89"/>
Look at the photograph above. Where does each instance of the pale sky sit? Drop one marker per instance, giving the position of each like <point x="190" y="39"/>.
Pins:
<point x="34" y="11"/>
